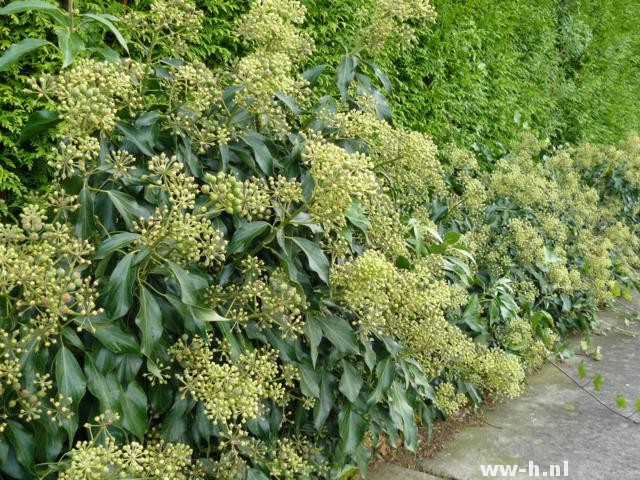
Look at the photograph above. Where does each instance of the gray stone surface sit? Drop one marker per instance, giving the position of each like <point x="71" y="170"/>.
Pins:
<point x="555" y="421"/>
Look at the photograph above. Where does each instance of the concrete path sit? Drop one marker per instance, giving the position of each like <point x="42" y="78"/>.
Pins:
<point x="554" y="421"/>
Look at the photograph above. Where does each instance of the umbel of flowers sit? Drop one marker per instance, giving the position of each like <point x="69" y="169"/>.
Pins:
<point x="233" y="279"/>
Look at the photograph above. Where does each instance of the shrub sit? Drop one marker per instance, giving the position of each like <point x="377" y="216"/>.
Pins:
<point x="234" y="277"/>
<point x="171" y="295"/>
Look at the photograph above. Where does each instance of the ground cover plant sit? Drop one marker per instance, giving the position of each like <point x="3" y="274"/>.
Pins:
<point x="236" y="275"/>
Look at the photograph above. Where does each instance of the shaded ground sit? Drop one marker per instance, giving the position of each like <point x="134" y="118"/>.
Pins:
<point x="555" y="420"/>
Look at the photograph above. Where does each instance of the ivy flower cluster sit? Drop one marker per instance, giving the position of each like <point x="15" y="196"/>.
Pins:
<point x="386" y="230"/>
<point x="407" y="158"/>
<point x="268" y="300"/>
<point x="410" y="306"/>
<point x="275" y="25"/>
<point x="90" y="93"/>
<point x="231" y="392"/>
<point x="518" y="337"/>
<point x="182" y="237"/>
<point x="168" y="28"/>
<point x="526" y="242"/>
<point x="193" y="86"/>
<point x="179" y="232"/>
<point x="390" y="23"/>
<point x="43" y="290"/>
<point x="249" y="198"/>
<point x="271" y="29"/>
<point x="448" y="400"/>
<point x="44" y="262"/>
<point x="340" y="178"/>
<point x="154" y="461"/>
<point x="288" y="458"/>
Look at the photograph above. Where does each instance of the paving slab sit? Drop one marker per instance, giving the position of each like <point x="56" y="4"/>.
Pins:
<point x="555" y="421"/>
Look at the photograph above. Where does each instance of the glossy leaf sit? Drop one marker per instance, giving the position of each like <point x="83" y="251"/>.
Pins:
<point x="70" y="379"/>
<point x="340" y="333"/>
<point x="128" y="208"/>
<point x="134" y="410"/>
<point x="114" y="243"/>
<point x="317" y="259"/>
<point x="149" y="321"/>
<point x="313" y="331"/>
<point x="23" y="443"/>
<point x="190" y="283"/>
<point x="352" y="428"/>
<point x="27" y="6"/>
<point x="39" y="121"/>
<point x="350" y="382"/>
<point x="106" y="21"/>
<point x="104" y="387"/>
<point x="311" y="75"/>
<point x="70" y="44"/>
<point x="18" y="50"/>
<point x="85" y="222"/>
<point x="345" y="74"/>
<point x="139" y="137"/>
<point x="261" y="152"/>
<point x="324" y="404"/>
<point x="115" y="338"/>
<point x="119" y="297"/>
<point x="245" y="234"/>
<point x="403" y="416"/>
<point x="309" y="381"/>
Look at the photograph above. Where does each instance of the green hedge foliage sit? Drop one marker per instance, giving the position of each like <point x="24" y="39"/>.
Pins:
<point x="562" y="69"/>
<point x="565" y="70"/>
<point x="235" y="275"/>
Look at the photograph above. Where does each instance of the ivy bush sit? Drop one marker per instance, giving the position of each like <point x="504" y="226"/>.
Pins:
<point x="236" y="276"/>
<point x="562" y="70"/>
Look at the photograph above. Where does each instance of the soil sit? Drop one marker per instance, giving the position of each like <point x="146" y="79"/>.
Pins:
<point x="428" y="446"/>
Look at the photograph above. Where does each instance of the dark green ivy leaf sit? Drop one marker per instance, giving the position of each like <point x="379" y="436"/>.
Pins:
<point x="70" y="44"/>
<point x="340" y="333"/>
<point x="317" y="259"/>
<point x="350" y="382"/>
<point x="245" y="234"/>
<point x="128" y="208"/>
<point x="134" y="410"/>
<point x="191" y="284"/>
<point x="120" y="290"/>
<point x="309" y="381"/>
<point x="141" y="138"/>
<point x="260" y="150"/>
<point x="38" y="122"/>
<point x="313" y="331"/>
<point x="85" y="222"/>
<point x="70" y="380"/>
<point x="352" y="428"/>
<point x="403" y="416"/>
<point x="114" y="338"/>
<point x="22" y="441"/>
<point x="113" y="243"/>
<point x="149" y="321"/>
<point x="326" y="401"/>
<point x="18" y="50"/>
<point x="345" y="74"/>
<point x="104" y="387"/>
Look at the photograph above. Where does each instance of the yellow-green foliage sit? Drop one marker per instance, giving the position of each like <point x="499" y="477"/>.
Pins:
<point x="411" y="305"/>
<point x="486" y="71"/>
<point x="233" y="277"/>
